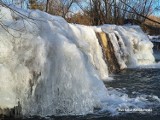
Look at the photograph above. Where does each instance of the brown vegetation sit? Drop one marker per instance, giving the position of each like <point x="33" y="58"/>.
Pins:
<point x="79" y="19"/>
<point x="153" y="24"/>
<point x="152" y="27"/>
<point x="98" y="12"/>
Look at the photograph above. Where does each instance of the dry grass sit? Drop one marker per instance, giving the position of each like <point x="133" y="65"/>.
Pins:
<point x="152" y="23"/>
<point x="80" y="19"/>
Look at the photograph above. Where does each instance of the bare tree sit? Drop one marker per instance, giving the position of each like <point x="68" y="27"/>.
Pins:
<point x="59" y="7"/>
<point x="117" y="11"/>
<point x="140" y="14"/>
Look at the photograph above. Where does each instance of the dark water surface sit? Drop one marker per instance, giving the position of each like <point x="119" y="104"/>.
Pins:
<point x="143" y="81"/>
<point x="132" y="82"/>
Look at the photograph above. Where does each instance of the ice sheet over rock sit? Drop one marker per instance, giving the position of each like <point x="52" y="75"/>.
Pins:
<point x="48" y="67"/>
<point x="132" y="47"/>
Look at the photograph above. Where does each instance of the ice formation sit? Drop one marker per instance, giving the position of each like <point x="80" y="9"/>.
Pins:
<point x="132" y="47"/>
<point x="53" y="67"/>
<point x="49" y="65"/>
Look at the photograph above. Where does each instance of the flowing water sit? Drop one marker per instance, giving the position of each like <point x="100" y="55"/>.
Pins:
<point x="133" y="82"/>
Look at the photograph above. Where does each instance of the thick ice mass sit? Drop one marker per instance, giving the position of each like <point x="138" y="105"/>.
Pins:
<point x="131" y="46"/>
<point x="50" y="66"/>
<point x="53" y="67"/>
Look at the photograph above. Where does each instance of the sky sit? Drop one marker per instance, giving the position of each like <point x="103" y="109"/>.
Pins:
<point x="157" y="12"/>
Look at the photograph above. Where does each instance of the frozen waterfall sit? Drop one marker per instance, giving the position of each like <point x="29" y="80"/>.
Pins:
<point x="56" y="68"/>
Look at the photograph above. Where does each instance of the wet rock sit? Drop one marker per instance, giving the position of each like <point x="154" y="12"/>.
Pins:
<point x="15" y="112"/>
<point x="108" y="52"/>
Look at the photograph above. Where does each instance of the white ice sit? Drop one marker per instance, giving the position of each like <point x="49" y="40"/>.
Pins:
<point x="131" y="46"/>
<point x="55" y="68"/>
<point x="50" y="66"/>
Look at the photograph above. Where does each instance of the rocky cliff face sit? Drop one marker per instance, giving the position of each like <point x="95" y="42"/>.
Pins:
<point x="14" y="112"/>
<point x="108" y="52"/>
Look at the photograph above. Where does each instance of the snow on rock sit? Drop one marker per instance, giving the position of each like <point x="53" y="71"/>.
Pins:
<point x="154" y="37"/>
